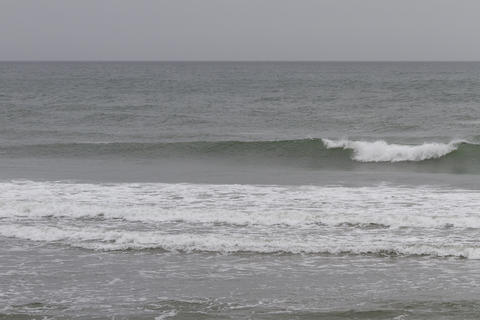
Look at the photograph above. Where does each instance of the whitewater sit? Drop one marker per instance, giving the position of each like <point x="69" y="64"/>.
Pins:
<point x="381" y="151"/>
<point x="388" y="220"/>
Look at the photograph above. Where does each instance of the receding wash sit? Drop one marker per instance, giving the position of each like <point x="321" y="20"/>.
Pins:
<point x="239" y="190"/>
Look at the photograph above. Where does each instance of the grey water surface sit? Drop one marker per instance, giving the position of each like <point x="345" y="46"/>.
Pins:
<point x="239" y="190"/>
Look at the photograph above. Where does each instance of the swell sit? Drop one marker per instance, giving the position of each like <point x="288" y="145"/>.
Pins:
<point x="456" y="156"/>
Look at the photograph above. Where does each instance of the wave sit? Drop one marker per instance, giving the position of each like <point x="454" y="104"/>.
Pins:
<point x="458" y="156"/>
<point x="107" y="240"/>
<point x="380" y="220"/>
<point x="381" y="151"/>
<point x="263" y="206"/>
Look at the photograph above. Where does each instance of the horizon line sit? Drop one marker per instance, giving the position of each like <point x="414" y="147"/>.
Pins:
<point x="221" y="60"/>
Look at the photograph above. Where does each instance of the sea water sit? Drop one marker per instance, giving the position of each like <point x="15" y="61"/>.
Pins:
<point x="231" y="190"/>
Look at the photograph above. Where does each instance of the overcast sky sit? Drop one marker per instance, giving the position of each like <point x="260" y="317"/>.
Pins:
<point x="240" y="30"/>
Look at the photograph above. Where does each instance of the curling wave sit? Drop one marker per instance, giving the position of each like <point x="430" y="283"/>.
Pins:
<point x="457" y="156"/>
<point x="381" y="151"/>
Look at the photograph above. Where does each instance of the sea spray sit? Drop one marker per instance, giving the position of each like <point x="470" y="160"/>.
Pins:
<point x="381" y="151"/>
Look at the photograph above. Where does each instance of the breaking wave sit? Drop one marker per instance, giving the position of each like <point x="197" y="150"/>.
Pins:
<point x="381" y="151"/>
<point x="457" y="156"/>
<point x="107" y="240"/>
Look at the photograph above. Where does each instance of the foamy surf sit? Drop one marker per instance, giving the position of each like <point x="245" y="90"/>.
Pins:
<point x="384" y="220"/>
<point x="381" y="151"/>
<point x="103" y="239"/>
<point x="242" y="205"/>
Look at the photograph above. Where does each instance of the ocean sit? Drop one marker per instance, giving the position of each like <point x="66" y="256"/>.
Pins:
<point x="239" y="190"/>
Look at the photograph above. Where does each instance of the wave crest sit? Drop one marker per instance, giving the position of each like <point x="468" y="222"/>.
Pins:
<point x="381" y="151"/>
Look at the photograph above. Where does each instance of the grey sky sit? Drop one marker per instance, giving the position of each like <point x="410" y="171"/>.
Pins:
<point x="239" y="30"/>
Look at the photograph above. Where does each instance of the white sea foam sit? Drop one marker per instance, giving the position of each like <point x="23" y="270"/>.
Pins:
<point x="368" y="243"/>
<point x="166" y="315"/>
<point x="381" y="151"/>
<point x="233" y="218"/>
<point x="298" y="206"/>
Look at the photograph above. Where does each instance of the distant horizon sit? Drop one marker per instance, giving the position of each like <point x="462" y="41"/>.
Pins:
<point x="253" y="61"/>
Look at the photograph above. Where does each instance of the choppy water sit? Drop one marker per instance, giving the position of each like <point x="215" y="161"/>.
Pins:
<point x="239" y="190"/>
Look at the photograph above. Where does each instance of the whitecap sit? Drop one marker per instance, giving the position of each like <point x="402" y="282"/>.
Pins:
<point x="381" y="151"/>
